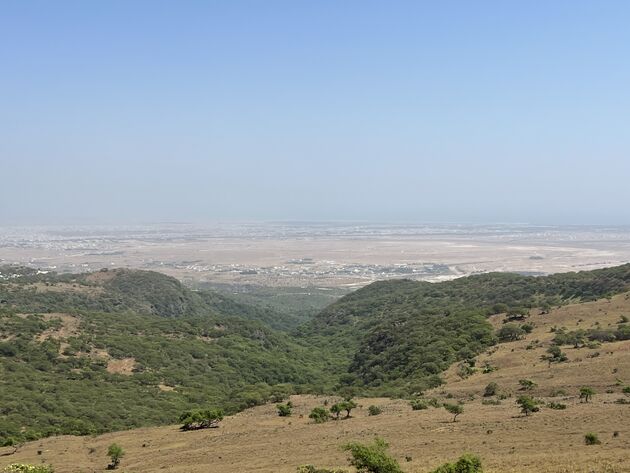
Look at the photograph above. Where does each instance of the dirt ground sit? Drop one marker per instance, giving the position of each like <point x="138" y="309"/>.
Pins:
<point x="257" y="440"/>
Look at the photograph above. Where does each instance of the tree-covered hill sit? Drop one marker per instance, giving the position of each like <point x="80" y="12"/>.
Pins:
<point x="119" y="349"/>
<point x="122" y="348"/>
<point x="400" y="335"/>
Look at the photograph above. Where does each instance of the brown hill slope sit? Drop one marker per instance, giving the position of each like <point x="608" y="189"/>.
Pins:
<point x="258" y="440"/>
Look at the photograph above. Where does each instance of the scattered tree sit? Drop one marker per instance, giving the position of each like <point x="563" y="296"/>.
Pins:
<point x="284" y="410"/>
<point x="586" y="393"/>
<point x="466" y="464"/>
<point x="347" y="406"/>
<point x="372" y="458"/>
<point x="319" y="415"/>
<point x="527" y="405"/>
<point x="115" y="453"/>
<point x="555" y="355"/>
<point x="204" y="419"/>
<point x="418" y="404"/>
<point x="510" y="333"/>
<point x="455" y="409"/>
<point x="336" y="409"/>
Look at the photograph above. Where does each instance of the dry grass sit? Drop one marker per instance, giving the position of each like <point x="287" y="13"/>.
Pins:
<point x="550" y="441"/>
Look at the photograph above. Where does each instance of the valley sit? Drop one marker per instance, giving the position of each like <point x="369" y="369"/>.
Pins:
<point x="548" y="441"/>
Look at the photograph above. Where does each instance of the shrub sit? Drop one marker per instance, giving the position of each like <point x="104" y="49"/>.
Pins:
<point x="374" y="410"/>
<point x="319" y="415"/>
<point x="455" y="409"/>
<point x="115" y="453"/>
<point x="312" y="469"/>
<point x="591" y="439"/>
<point x="555" y="355"/>
<point x="556" y="405"/>
<point x="284" y="410"/>
<point x="464" y="370"/>
<point x="491" y="389"/>
<point x="418" y="404"/>
<point x="527" y="384"/>
<point x="626" y="390"/>
<point x="25" y="468"/>
<point x="466" y="464"/>
<point x="527" y="405"/>
<point x="491" y="402"/>
<point x="527" y="328"/>
<point x="372" y="458"/>
<point x="204" y="419"/>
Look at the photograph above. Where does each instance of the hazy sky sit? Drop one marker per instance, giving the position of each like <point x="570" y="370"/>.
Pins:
<point x="470" y="111"/>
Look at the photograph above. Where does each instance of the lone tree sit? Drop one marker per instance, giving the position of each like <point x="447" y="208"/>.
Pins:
<point x="372" y="458"/>
<point x="586" y="393"/>
<point x="204" y="419"/>
<point x="115" y="453"/>
<point x="527" y="405"/>
<point x="455" y="409"/>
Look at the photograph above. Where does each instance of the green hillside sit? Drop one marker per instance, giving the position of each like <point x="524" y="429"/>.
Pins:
<point x="118" y="349"/>
<point x="401" y="334"/>
<point x="108" y="351"/>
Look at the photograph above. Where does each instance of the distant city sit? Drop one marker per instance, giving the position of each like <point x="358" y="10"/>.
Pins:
<point x="316" y="254"/>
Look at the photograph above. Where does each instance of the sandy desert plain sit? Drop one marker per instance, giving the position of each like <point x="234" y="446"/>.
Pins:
<point x="316" y="254"/>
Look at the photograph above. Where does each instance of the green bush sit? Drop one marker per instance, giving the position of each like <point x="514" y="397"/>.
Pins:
<point x="527" y="405"/>
<point x="284" y="410"/>
<point x="466" y="464"/>
<point x="491" y="389"/>
<point x="319" y="415"/>
<point x="510" y="333"/>
<point x="586" y="393"/>
<point x="372" y="458"/>
<point x="556" y="405"/>
<point x="374" y="410"/>
<point x="313" y="469"/>
<point x="25" y="468"/>
<point x="527" y="384"/>
<point x="591" y="439"/>
<point x="202" y="419"/>
<point x="490" y="402"/>
<point x="115" y="453"/>
<point x="418" y="404"/>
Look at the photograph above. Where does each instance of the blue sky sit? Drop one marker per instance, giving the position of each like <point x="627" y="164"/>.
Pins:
<point x="450" y="111"/>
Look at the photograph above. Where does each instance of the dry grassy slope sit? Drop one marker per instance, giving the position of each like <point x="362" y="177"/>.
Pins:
<point x="549" y="441"/>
